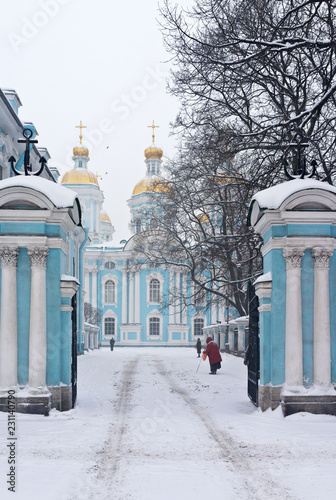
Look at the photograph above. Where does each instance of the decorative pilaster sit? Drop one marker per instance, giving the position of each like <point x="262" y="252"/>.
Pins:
<point x="137" y="297"/>
<point x="177" y="316"/>
<point x="184" y="295"/>
<point x="293" y="348"/>
<point x="322" y="357"/>
<point x="94" y="287"/>
<point x="171" y="309"/>
<point x="131" y="298"/>
<point x="124" y="297"/>
<point x="8" y="325"/>
<point x="38" y="317"/>
<point x="87" y="284"/>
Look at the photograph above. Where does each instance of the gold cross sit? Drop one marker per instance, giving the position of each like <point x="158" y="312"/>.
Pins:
<point x="81" y="130"/>
<point x="153" y="127"/>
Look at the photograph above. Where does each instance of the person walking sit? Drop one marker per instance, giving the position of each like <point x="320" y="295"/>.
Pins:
<point x="199" y="347"/>
<point x="112" y="342"/>
<point x="214" y="356"/>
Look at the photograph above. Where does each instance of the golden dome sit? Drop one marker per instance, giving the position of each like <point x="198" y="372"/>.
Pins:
<point x="79" y="176"/>
<point x="104" y="217"/>
<point x="203" y="218"/>
<point x="153" y="152"/>
<point x="152" y="184"/>
<point x="80" y="151"/>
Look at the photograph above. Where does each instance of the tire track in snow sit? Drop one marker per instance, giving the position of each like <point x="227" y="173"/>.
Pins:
<point x="110" y="456"/>
<point x="256" y="485"/>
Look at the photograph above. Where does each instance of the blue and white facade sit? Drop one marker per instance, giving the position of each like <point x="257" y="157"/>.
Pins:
<point x="297" y="295"/>
<point x="140" y="305"/>
<point x="41" y="240"/>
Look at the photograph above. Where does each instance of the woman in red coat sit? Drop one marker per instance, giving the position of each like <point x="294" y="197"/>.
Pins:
<point x="213" y="353"/>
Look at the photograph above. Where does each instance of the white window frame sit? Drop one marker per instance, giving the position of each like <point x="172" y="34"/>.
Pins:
<point x="110" y="314"/>
<point x="105" y="278"/>
<point x="198" y="316"/>
<point x="198" y="291"/>
<point x="154" y="314"/>
<point x="138" y="225"/>
<point x="154" y="291"/>
<point x="109" y="318"/>
<point x="154" y="323"/>
<point x="108" y="292"/>
<point x="149" y="278"/>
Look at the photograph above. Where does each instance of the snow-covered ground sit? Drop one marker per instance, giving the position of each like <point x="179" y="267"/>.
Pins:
<point x="149" y="426"/>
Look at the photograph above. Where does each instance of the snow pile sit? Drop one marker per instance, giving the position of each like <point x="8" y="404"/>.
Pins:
<point x="60" y="196"/>
<point x="274" y="196"/>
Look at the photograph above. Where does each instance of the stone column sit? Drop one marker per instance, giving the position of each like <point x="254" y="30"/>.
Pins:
<point x="38" y="317"/>
<point x="184" y="295"/>
<point x="213" y="310"/>
<point x="137" y="297"/>
<point x="177" y="314"/>
<point x="322" y="356"/>
<point x="171" y="298"/>
<point x="86" y="285"/>
<point x="8" y="325"/>
<point x="124" y="297"/>
<point x="293" y="348"/>
<point x="131" y="298"/>
<point x="94" y="287"/>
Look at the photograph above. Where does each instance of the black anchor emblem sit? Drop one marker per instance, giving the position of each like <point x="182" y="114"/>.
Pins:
<point x="27" y="133"/>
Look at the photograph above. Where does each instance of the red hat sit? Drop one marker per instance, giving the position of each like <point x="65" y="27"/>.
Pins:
<point x="209" y="339"/>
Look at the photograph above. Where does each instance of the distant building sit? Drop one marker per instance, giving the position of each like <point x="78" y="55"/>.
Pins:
<point x="139" y="304"/>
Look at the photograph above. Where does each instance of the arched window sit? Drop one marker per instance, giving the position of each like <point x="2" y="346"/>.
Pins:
<point x="80" y="164"/>
<point x="138" y="226"/>
<point x="109" y="292"/>
<point x="199" y="297"/>
<point x="154" y="326"/>
<point x="154" y="291"/>
<point x="153" y="223"/>
<point x="198" y="326"/>
<point x="109" y="326"/>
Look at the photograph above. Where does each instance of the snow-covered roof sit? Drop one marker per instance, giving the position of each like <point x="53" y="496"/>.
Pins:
<point x="264" y="278"/>
<point x="273" y="197"/>
<point x="60" y="196"/>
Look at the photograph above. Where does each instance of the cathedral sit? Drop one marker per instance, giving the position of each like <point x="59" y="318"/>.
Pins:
<point x="136" y="304"/>
<point x="65" y="287"/>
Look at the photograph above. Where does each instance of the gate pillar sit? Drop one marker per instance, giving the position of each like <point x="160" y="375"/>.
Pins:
<point x="40" y="241"/>
<point x="297" y="295"/>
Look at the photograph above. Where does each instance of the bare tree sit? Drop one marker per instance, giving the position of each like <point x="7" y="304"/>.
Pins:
<point x="92" y="315"/>
<point x="261" y="74"/>
<point x="256" y="81"/>
<point x="201" y="227"/>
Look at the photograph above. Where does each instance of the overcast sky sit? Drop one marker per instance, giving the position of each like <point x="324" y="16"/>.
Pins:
<point x="99" y="61"/>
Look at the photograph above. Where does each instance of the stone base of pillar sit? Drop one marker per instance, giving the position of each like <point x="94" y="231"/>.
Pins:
<point x="31" y="401"/>
<point x="61" y="397"/>
<point x="269" y="397"/>
<point x="323" y="404"/>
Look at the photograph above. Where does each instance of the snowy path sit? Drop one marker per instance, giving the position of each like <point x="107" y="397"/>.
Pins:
<point x="162" y="442"/>
<point x="148" y="426"/>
